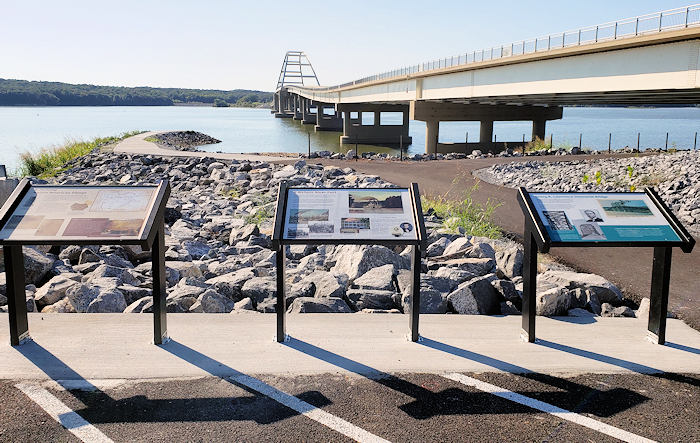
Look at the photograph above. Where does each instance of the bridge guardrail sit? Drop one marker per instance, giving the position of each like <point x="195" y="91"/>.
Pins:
<point x="662" y="21"/>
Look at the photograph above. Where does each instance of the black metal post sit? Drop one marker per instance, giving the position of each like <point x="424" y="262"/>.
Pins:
<point x="16" y="297"/>
<point x="414" y="313"/>
<point x="551" y="141"/>
<point x="281" y="307"/>
<point x="356" y="156"/>
<point x="466" y="144"/>
<point x="695" y="143"/>
<point x="609" y="141"/>
<point x="660" y="278"/>
<point x="666" y="147"/>
<point x="638" y="141"/>
<point x="401" y="146"/>
<point x="529" y="286"/>
<point x="309" y="137"/>
<point x="580" y="141"/>
<point x="160" y="322"/>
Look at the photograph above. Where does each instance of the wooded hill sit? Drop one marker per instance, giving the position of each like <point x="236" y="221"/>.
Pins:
<point x="37" y="93"/>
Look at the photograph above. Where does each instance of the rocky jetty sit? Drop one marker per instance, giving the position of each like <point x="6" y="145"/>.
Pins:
<point x="675" y="176"/>
<point x="219" y="257"/>
<point x="184" y="140"/>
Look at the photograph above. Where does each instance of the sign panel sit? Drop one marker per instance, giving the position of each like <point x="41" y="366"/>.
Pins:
<point x="602" y="217"/>
<point x="50" y="213"/>
<point x="347" y="214"/>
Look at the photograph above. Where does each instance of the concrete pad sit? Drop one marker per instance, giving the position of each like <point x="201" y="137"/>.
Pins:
<point x="117" y="346"/>
<point x="138" y="145"/>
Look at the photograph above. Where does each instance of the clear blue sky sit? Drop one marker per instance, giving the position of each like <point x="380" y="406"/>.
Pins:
<point x="240" y="44"/>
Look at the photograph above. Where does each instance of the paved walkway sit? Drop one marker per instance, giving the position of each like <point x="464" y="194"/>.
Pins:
<point x="138" y="145"/>
<point x="118" y="346"/>
<point x="629" y="268"/>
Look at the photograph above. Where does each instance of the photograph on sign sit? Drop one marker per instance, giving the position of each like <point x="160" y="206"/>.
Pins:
<point x="48" y="213"/>
<point x="601" y="217"/>
<point x="335" y="214"/>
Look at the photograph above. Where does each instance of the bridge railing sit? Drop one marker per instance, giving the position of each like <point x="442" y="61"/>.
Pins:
<point x="662" y="21"/>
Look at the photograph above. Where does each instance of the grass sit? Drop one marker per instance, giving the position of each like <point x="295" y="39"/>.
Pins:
<point x="49" y="162"/>
<point x="464" y="215"/>
<point x="537" y="145"/>
<point x="264" y="209"/>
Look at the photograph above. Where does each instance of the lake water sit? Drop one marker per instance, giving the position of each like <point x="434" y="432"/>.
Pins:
<point x="256" y="130"/>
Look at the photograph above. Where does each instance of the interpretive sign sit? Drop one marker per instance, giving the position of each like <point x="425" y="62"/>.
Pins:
<point x="602" y="217"/>
<point x="335" y="214"/>
<point x="82" y="215"/>
<point x="354" y="216"/>
<point x="64" y="213"/>
<point x="611" y="219"/>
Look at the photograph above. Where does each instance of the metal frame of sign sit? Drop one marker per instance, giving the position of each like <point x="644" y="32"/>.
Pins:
<point x="536" y="239"/>
<point x="279" y="242"/>
<point x="152" y="237"/>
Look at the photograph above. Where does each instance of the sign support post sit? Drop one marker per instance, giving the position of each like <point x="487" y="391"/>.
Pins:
<point x="160" y="321"/>
<point x="16" y="298"/>
<point x="529" y="286"/>
<point x="660" y="279"/>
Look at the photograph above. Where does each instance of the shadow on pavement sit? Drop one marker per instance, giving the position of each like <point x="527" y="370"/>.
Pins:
<point x="683" y="347"/>
<point x="99" y="407"/>
<point x="568" y="395"/>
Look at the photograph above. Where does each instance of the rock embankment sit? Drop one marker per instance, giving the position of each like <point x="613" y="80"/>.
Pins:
<point x="676" y="177"/>
<point x="184" y="140"/>
<point x="219" y="257"/>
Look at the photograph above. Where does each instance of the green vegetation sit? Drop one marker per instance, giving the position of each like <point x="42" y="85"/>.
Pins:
<point x="26" y="93"/>
<point x="263" y="205"/>
<point x="49" y="162"/>
<point x="464" y="215"/>
<point x="537" y="145"/>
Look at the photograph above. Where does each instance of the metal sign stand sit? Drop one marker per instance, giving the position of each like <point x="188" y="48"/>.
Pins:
<point x="279" y="244"/>
<point x="153" y="237"/>
<point x="536" y="239"/>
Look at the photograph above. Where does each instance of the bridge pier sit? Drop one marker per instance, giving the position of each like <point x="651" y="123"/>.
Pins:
<point x="433" y="113"/>
<point x="376" y="133"/>
<point x="282" y="101"/>
<point x="307" y="117"/>
<point x="328" y="122"/>
<point x="297" y="107"/>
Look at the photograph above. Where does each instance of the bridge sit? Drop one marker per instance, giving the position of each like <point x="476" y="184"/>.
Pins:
<point x="646" y="60"/>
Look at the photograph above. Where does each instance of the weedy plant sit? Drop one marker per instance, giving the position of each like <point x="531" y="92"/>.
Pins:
<point x="49" y="162"/>
<point x="464" y="214"/>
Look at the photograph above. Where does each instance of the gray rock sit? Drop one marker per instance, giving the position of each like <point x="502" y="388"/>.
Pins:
<point x="606" y="291"/>
<point x="259" y="288"/>
<point x="476" y="296"/>
<point x="303" y="288"/>
<point x="370" y="299"/>
<point x="185" y="269"/>
<point x="54" y="290"/>
<point x="138" y="306"/>
<point x="37" y="265"/>
<point x="134" y="293"/>
<point x="508" y="308"/>
<point x="437" y="247"/>
<point x="232" y="283"/>
<point x="267" y="306"/>
<point x="243" y="234"/>
<point x="431" y="302"/>
<point x="196" y="249"/>
<point x="211" y="301"/>
<point x="81" y="296"/>
<point x="609" y="310"/>
<point x="71" y="253"/>
<point x="61" y="306"/>
<point x="319" y="305"/>
<point x="327" y="284"/>
<point x="506" y="289"/>
<point x="244" y="305"/>
<point x="643" y="311"/>
<point x="380" y="278"/>
<point x="555" y="301"/>
<point x="354" y="261"/>
<point x="510" y="261"/>
<point x="458" y="245"/>
<point x="111" y="300"/>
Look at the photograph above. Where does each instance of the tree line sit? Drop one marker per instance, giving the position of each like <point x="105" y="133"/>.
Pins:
<point x="39" y="93"/>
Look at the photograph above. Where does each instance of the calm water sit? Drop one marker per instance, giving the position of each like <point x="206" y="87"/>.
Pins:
<point x="256" y="130"/>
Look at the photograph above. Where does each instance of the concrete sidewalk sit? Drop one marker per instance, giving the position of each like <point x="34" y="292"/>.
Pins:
<point x="117" y="346"/>
<point x="138" y="145"/>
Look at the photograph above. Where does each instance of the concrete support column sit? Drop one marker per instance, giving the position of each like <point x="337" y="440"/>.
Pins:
<point x="486" y="131"/>
<point x="432" y="132"/>
<point x="538" y="129"/>
<point x="319" y="114"/>
<point x="377" y="118"/>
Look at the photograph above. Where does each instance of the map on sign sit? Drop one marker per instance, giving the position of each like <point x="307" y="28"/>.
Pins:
<point x="69" y="213"/>
<point x="339" y="214"/>
<point x="612" y="217"/>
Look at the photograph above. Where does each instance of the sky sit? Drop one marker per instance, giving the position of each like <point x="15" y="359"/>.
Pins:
<point x="219" y="44"/>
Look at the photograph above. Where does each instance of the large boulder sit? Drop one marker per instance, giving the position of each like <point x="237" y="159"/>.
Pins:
<point x="476" y="296"/>
<point x="354" y="261"/>
<point x="555" y="301"/>
<point x="54" y="290"/>
<point x="319" y="305"/>
<point x="81" y="296"/>
<point x="243" y="233"/>
<point x="457" y="246"/>
<point x="431" y="302"/>
<point x="510" y="261"/>
<point x="371" y="299"/>
<point x="380" y="278"/>
<point x="437" y="247"/>
<point x="259" y="288"/>
<point x="185" y="268"/>
<point x="327" y="284"/>
<point x="37" y="265"/>
<point x="602" y="288"/>
<point x="111" y="300"/>
<point x="211" y="301"/>
<point x="139" y="305"/>
<point x="231" y="284"/>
